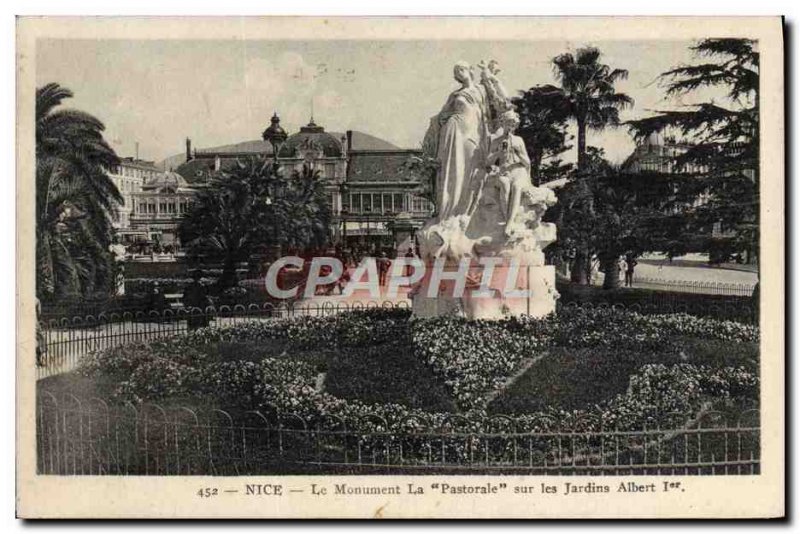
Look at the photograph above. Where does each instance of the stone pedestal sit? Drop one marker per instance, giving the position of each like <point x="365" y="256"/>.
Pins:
<point x="533" y="293"/>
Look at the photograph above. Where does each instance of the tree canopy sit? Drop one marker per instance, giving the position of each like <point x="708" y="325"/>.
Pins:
<point x="74" y="199"/>
<point x="255" y="205"/>
<point x="588" y="87"/>
<point x="544" y="113"/>
<point x="720" y="145"/>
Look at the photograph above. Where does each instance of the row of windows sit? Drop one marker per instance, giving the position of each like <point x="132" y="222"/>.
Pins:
<point x="383" y="203"/>
<point x="132" y="172"/>
<point x="665" y="166"/>
<point x="128" y="186"/>
<point x="163" y="207"/>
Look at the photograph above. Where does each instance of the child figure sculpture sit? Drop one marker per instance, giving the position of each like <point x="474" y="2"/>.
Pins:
<point x="510" y="166"/>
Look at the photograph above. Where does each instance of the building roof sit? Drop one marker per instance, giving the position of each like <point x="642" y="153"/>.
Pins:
<point x="257" y="146"/>
<point x="359" y="140"/>
<point x="373" y="159"/>
<point x="311" y="137"/>
<point x="196" y="170"/>
<point x="171" y="180"/>
<point x="382" y="166"/>
<point x="365" y="141"/>
<point x="138" y="163"/>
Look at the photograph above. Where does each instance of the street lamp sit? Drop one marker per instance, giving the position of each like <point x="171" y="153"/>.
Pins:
<point x="344" y="212"/>
<point x="275" y="135"/>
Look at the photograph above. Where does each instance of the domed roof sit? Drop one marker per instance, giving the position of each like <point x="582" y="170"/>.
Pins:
<point x="654" y="139"/>
<point x="169" y="179"/>
<point x="312" y="138"/>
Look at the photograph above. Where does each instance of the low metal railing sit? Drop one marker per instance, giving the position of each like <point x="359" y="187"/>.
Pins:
<point x="697" y="287"/>
<point x="62" y="342"/>
<point x="96" y="437"/>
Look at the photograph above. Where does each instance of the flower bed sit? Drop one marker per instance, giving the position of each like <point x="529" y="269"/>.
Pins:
<point x="475" y="358"/>
<point x="471" y="358"/>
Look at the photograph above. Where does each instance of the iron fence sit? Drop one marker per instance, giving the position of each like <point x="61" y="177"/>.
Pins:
<point x="62" y="342"/>
<point x="697" y="287"/>
<point x="95" y="437"/>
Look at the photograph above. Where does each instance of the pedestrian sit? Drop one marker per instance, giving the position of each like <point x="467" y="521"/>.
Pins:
<point x="343" y="281"/>
<point x="157" y="299"/>
<point x="409" y="256"/>
<point x="630" y="265"/>
<point x="195" y="299"/>
<point x="383" y="268"/>
<point x="41" y="342"/>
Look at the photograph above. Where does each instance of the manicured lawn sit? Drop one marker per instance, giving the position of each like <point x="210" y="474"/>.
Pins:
<point x="387" y="373"/>
<point x="573" y="379"/>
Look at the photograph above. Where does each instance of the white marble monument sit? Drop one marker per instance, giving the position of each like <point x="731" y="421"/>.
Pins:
<point x="488" y="220"/>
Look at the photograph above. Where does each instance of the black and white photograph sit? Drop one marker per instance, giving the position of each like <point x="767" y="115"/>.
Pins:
<point x="538" y="258"/>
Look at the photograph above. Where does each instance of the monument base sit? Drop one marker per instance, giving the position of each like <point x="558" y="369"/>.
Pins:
<point x="503" y="299"/>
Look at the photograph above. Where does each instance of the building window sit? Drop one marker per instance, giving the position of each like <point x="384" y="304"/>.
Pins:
<point x="355" y="203"/>
<point x="398" y="203"/>
<point x="330" y="170"/>
<point x="420" y="205"/>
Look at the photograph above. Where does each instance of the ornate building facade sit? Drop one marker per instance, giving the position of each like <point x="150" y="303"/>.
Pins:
<point x="158" y="207"/>
<point x="129" y="176"/>
<point x="373" y="195"/>
<point x="656" y="153"/>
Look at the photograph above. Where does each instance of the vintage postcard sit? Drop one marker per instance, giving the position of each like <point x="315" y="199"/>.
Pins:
<point x="400" y="267"/>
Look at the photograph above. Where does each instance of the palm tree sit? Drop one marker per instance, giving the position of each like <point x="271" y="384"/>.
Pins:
<point x="252" y="206"/>
<point x="309" y="209"/>
<point x="588" y="87"/>
<point x="74" y="198"/>
<point x="593" y="102"/>
<point x="232" y="216"/>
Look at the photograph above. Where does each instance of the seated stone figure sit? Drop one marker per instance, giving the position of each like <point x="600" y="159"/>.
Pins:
<point x="510" y="168"/>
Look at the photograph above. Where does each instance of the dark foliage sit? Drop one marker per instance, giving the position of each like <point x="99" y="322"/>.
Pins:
<point x="253" y="206"/>
<point x="721" y="158"/>
<point x="74" y="200"/>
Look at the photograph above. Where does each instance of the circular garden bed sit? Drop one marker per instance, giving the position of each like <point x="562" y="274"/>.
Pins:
<point x="603" y="367"/>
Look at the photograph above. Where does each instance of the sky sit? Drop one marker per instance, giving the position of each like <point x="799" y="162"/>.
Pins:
<point x="159" y="92"/>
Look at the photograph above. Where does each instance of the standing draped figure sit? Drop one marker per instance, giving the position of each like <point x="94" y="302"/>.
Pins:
<point x="458" y="139"/>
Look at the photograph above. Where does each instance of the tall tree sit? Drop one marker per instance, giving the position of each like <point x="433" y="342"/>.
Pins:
<point x="589" y="90"/>
<point x="544" y="113"/>
<point x="306" y="210"/>
<point x="721" y="142"/>
<point x="628" y="214"/>
<point x="74" y="199"/>
<point x="630" y="219"/>
<point x="588" y="87"/>
<point x="251" y="206"/>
